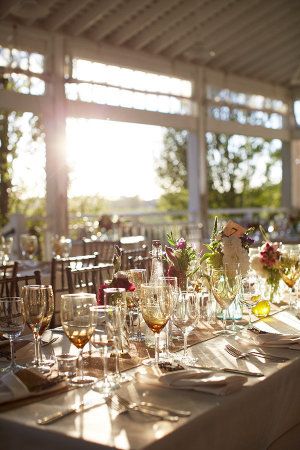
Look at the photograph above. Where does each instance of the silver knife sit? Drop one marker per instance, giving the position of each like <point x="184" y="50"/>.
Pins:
<point x="229" y="370"/>
<point x="74" y="409"/>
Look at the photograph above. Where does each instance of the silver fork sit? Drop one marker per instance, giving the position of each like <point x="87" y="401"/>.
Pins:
<point x="152" y="406"/>
<point x="122" y="405"/>
<point x="240" y="355"/>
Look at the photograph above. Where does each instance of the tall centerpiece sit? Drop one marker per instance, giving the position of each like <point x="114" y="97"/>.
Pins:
<point x="267" y="264"/>
<point x="182" y="258"/>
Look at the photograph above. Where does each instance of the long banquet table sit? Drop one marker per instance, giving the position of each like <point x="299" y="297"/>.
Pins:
<point x="264" y="414"/>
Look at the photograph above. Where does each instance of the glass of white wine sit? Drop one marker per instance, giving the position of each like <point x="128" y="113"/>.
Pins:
<point x="12" y="322"/>
<point x="289" y="268"/>
<point x="78" y="323"/>
<point x="156" y="304"/>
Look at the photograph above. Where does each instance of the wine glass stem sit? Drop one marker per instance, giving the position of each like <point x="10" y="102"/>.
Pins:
<point x="80" y="363"/>
<point x="117" y="356"/>
<point x="185" y="338"/>
<point x="224" y="319"/>
<point x="167" y="339"/>
<point x="37" y="348"/>
<point x="156" y="348"/>
<point x="105" y="364"/>
<point x="12" y="353"/>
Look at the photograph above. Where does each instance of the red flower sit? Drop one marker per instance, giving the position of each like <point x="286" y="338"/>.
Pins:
<point x="117" y="282"/>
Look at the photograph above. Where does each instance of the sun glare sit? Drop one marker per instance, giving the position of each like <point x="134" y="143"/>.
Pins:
<point x="113" y="159"/>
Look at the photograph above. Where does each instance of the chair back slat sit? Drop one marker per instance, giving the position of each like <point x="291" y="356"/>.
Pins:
<point x="128" y="255"/>
<point x="12" y="286"/>
<point x="105" y="249"/>
<point x="88" y="279"/>
<point x="141" y="262"/>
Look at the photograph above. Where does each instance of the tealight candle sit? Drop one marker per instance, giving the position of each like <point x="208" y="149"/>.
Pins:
<point x="261" y="308"/>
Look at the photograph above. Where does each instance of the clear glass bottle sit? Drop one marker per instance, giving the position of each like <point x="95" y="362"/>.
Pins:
<point x="157" y="271"/>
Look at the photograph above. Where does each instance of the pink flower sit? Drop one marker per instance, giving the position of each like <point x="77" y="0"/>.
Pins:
<point x="181" y="244"/>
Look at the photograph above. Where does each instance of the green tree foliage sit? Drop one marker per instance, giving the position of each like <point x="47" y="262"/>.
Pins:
<point x="240" y="171"/>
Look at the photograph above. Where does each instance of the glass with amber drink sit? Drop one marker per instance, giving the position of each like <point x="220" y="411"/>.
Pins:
<point x="78" y="323"/>
<point x="156" y="303"/>
<point x="289" y="268"/>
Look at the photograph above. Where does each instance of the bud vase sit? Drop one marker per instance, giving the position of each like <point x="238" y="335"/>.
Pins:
<point x="182" y="280"/>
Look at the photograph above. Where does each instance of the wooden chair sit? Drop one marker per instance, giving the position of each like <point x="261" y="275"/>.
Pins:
<point x="105" y="249"/>
<point x="9" y="270"/>
<point x="12" y="286"/>
<point x="141" y="262"/>
<point x="128" y="256"/>
<point x="59" y="278"/>
<point x="88" y="279"/>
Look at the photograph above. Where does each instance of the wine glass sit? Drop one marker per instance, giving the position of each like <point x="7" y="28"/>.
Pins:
<point x="137" y="277"/>
<point x="289" y="269"/>
<point x="117" y="297"/>
<point x="103" y="339"/>
<point x="251" y="293"/>
<point x="35" y="304"/>
<point x="78" y="323"/>
<point x="225" y="285"/>
<point x="12" y="322"/>
<point x="171" y="284"/>
<point x="185" y="316"/>
<point x="49" y="310"/>
<point x="29" y="245"/>
<point x="61" y="246"/>
<point x="156" y="306"/>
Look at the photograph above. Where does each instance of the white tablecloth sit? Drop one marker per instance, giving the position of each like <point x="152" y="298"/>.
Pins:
<point x="251" y="419"/>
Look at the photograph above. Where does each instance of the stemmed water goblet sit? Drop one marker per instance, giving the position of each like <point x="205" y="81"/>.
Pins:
<point x="250" y="294"/>
<point x="78" y="323"/>
<point x="225" y="285"/>
<point x="35" y="306"/>
<point x="289" y="269"/>
<point x="137" y="277"/>
<point x="29" y="245"/>
<point x="12" y="322"/>
<point x="104" y="318"/>
<point x="185" y="317"/>
<point x="171" y="284"/>
<point x="156" y="306"/>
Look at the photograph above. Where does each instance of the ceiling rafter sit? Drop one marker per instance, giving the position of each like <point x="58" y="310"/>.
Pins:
<point x="223" y="19"/>
<point x="93" y="15"/>
<point x="189" y="23"/>
<point x="164" y="23"/>
<point x="7" y="7"/>
<point x="287" y="74"/>
<point x="46" y="4"/>
<point x="286" y="35"/>
<point x="277" y="59"/>
<point x="250" y="49"/>
<point x="241" y="28"/>
<point x="143" y="19"/>
<point x="126" y="10"/>
<point x="64" y="14"/>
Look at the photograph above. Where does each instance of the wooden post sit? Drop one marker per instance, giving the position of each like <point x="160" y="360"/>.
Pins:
<point x="55" y="124"/>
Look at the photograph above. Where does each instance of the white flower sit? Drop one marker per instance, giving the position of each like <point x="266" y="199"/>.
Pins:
<point x="235" y="255"/>
<point x="257" y="265"/>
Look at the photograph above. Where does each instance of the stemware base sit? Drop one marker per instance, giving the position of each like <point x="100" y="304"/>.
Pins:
<point x="185" y="360"/>
<point x="105" y="387"/>
<point x="149" y="362"/>
<point x="224" y="333"/>
<point x="122" y="378"/>
<point x="41" y="368"/>
<point x="82" y="381"/>
<point x="12" y="368"/>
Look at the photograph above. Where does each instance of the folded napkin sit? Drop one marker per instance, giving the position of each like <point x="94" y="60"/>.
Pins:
<point x="208" y="382"/>
<point x="276" y="340"/>
<point x="27" y="383"/>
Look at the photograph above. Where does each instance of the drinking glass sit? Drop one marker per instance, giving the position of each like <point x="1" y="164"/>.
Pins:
<point x="289" y="268"/>
<point x="117" y="297"/>
<point x="29" y="245"/>
<point x="61" y="246"/>
<point x="12" y="322"/>
<point x="137" y="277"/>
<point x="49" y="310"/>
<point x="78" y="323"/>
<point x="35" y="305"/>
<point x="104" y="318"/>
<point x="170" y="283"/>
<point x="224" y="286"/>
<point x="251" y="293"/>
<point x="185" y="316"/>
<point x="156" y="306"/>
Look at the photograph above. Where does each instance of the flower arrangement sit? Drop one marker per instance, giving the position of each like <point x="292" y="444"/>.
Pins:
<point x="267" y="263"/>
<point x="181" y="257"/>
<point x="119" y="280"/>
<point x="229" y="246"/>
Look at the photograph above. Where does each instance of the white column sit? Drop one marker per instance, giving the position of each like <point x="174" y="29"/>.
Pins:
<point x="295" y="174"/>
<point x="193" y="177"/>
<point x="55" y="123"/>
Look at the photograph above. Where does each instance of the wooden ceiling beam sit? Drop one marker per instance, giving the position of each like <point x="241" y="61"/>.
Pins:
<point x="254" y="42"/>
<point x="177" y="14"/>
<point x="145" y="18"/>
<point x="247" y="24"/>
<point x="219" y="22"/>
<point x="191" y="22"/>
<point x="7" y="7"/>
<point x="286" y="35"/>
<point x="92" y="16"/>
<point x="64" y="14"/>
<point x="124" y="13"/>
<point x="286" y="74"/>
